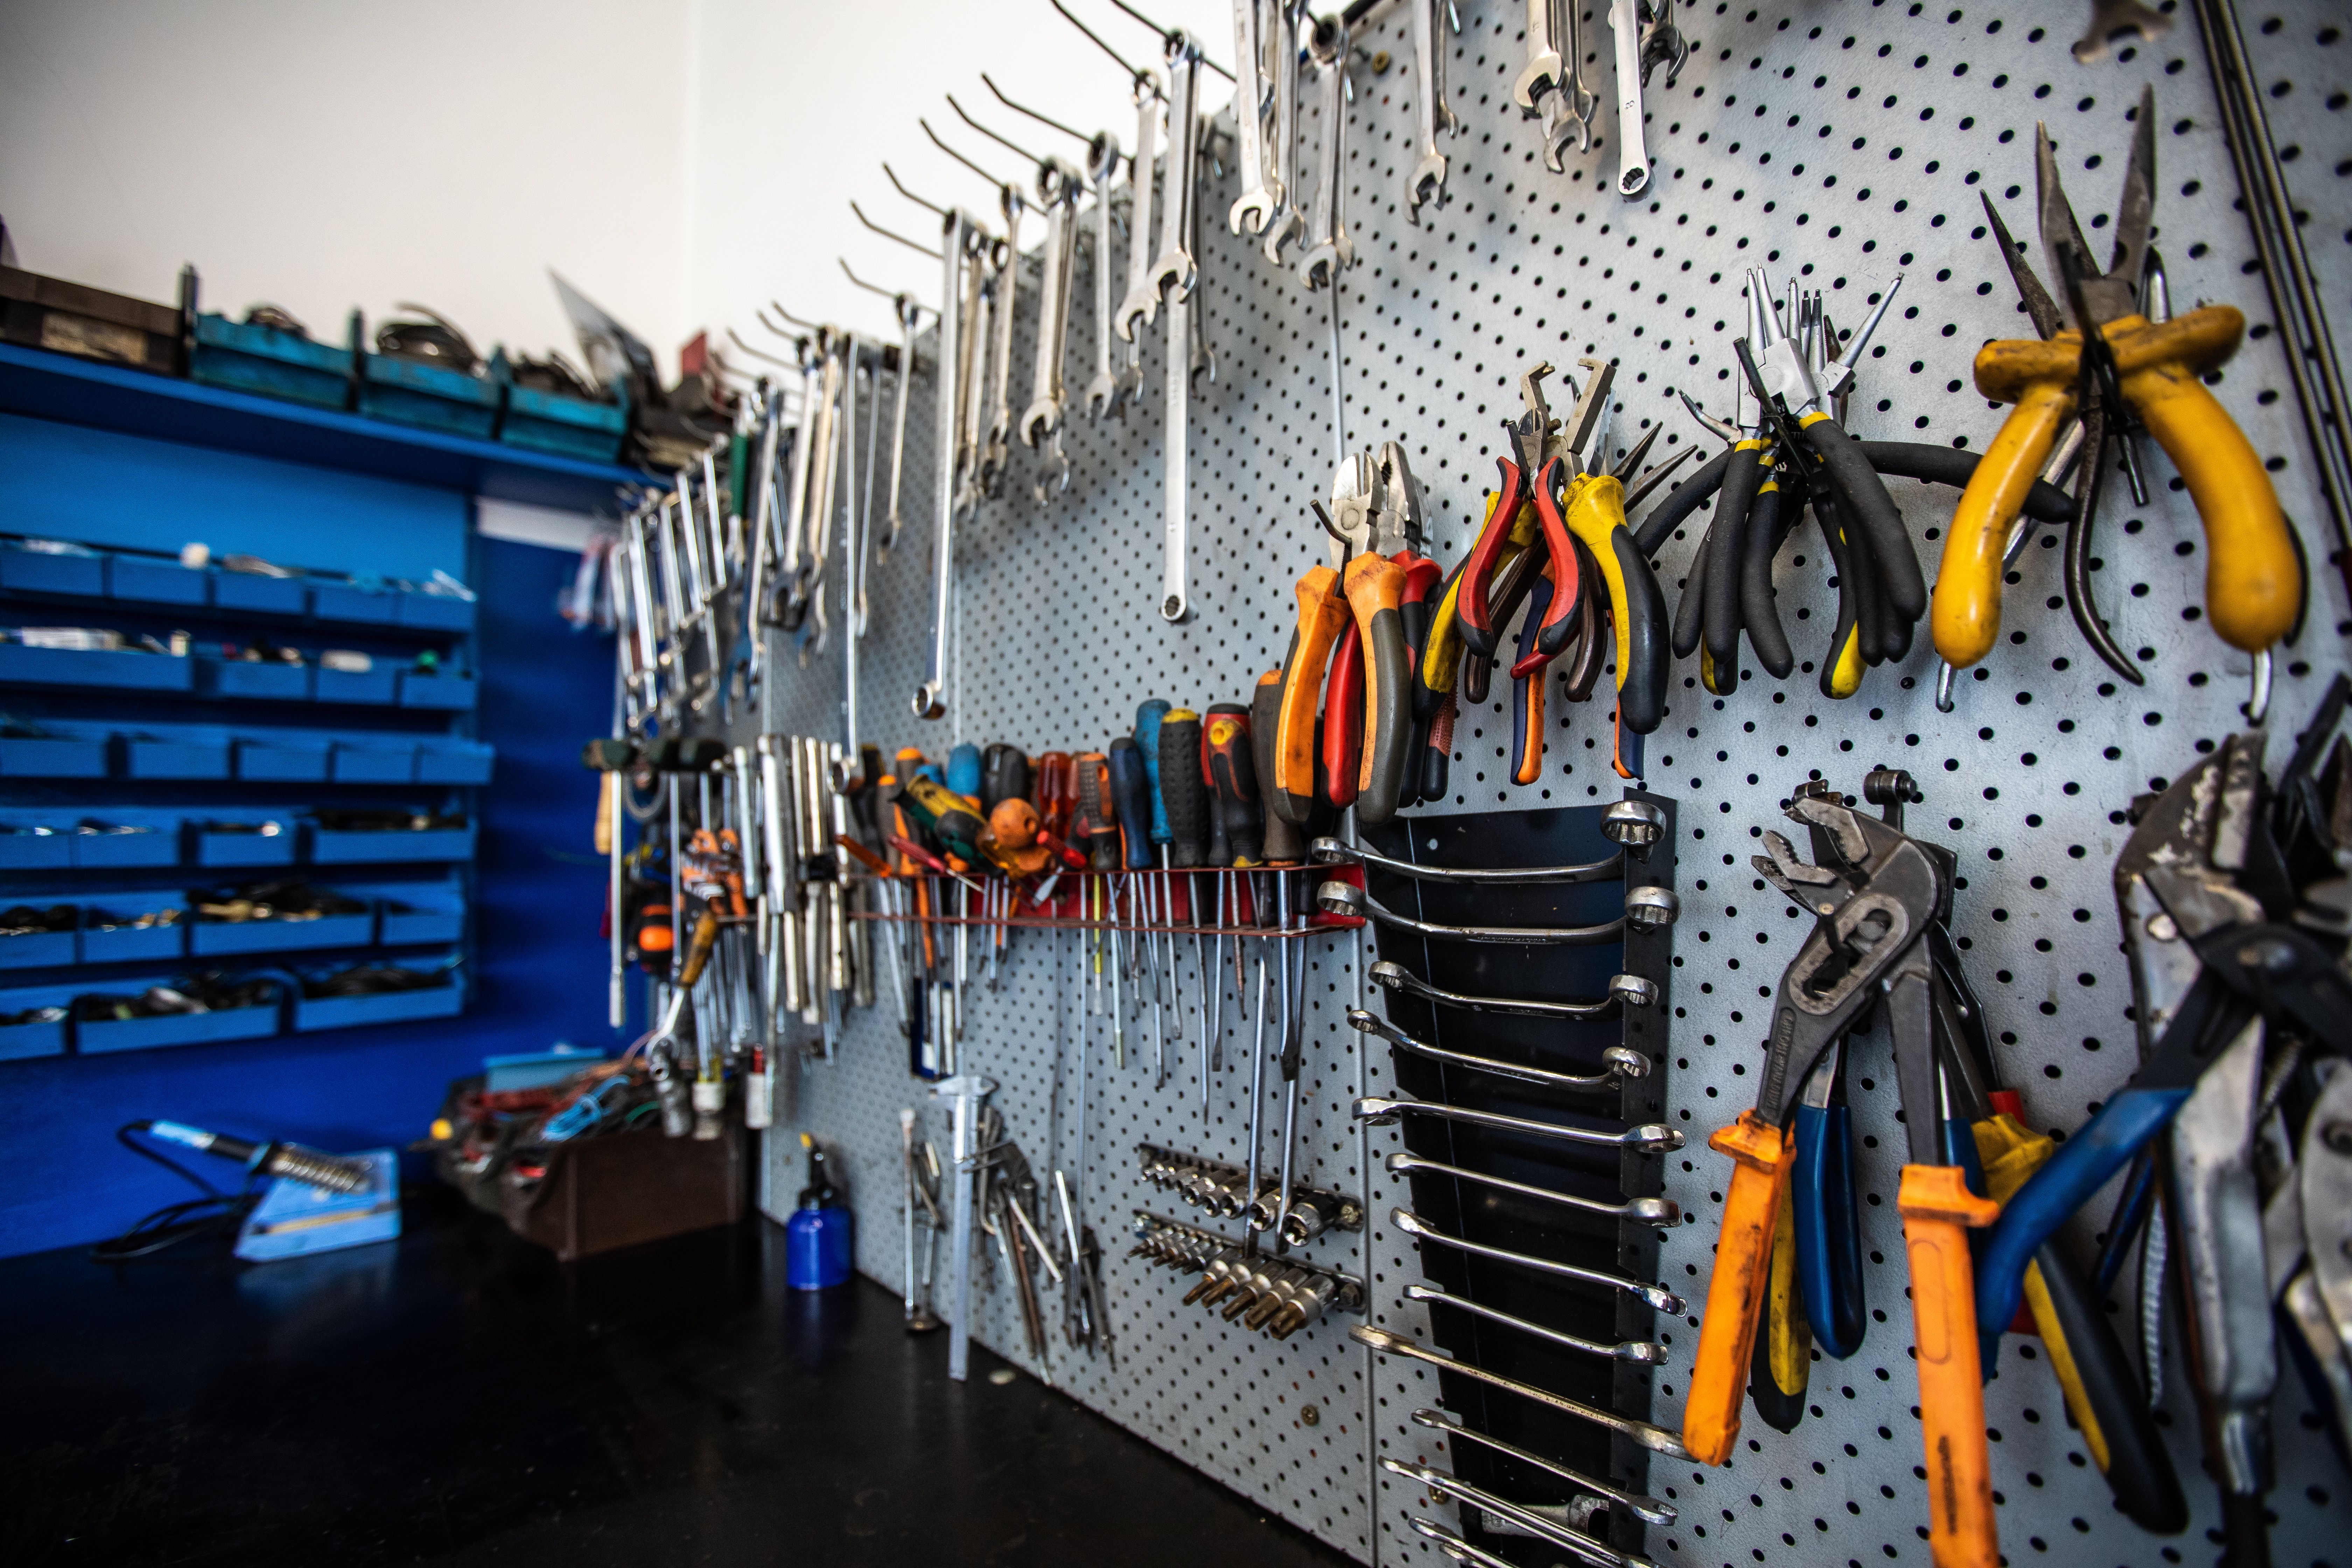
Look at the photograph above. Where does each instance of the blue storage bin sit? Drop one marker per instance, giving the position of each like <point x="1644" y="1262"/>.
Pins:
<point x="181" y="756"/>
<point x="128" y="945"/>
<point x="271" y="363"/>
<point x="278" y="761"/>
<point x="430" y="396"/>
<point x="432" y="914"/>
<point x="262" y="682"/>
<point x="122" y="668"/>
<point x="332" y="601"/>
<point x="160" y="845"/>
<point x="434" y="612"/>
<point x="390" y="1007"/>
<point x="252" y="591"/>
<point x="46" y="572"/>
<point x="175" y="1029"/>
<point x="37" y="949"/>
<point x="380" y="685"/>
<point x="396" y="846"/>
<point x="373" y="763"/>
<point x="156" y="580"/>
<point x="454" y="761"/>
<point x="24" y="850"/>
<point x="447" y="693"/>
<point x="214" y="939"/>
<point x="243" y="849"/>
<point x="53" y="756"/>
<point x="20" y="1042"/>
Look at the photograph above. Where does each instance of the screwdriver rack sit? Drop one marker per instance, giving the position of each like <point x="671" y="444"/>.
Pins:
<point x="1835" y="143"/>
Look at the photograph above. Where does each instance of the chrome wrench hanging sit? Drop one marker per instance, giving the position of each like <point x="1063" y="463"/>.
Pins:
<point x="908" y="312"/>
<point x="1329" y="251"/>
<point x="1655" y="1297"/>
<point x="930" y="698"/>
<point x="1261" y="196"/>
<point x="999" y="451"/>
<point x="1633" y="151"/>
<point x="1659" y="1211"/>
<point x="1057" y="188"/>
<point x="1282" y="151"/>
<point x="1140" y="302"/>
<point x="1657" y="1439"/>
<point x="1174" y="270"/>
<point x="1622" y="1063"/>
<point x="1174" y="606"/>
<point x="1624" y="991"/>
<point x="1426" y="184"/>
<point x="1649" y="1137"/>
<point x="1106" y="393"/>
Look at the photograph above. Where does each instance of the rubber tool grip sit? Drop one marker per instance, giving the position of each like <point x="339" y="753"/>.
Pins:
<point x="1095" y="829"/>
<point x="698" y="946"/>
<point x="1003" y="775"/>
<point x="1481" y="627"/>
<point x="1375" y="586"/>
<point x="1434" y="760"/>
<point x="1593" y="631"/>
<point x="2079" y="1169"/>
<point x="1343" y="721"/>
<point x="1938" y="1211"/>
<point x="1681" y="501"/>
<point x="1179" y="786"/>
<point x="1559" y="617"/>
<point x="1828" y="1229"/>
<point x="1148" y="717"/>
<point x="1057" y="791"/>
<point x="964" y="769"/>
<point x="1130" y="788"/>
<point x="1220" y="849"/>
<point x="2044" y="502"/>
<point x="1727" y="549"/>
<point x="1759" y="609"/>
<point x="1690" y="610"/>
<point x="948" y="816"/>
<point x="1779" y="1369"/>
<point x="1735" y="1291"/>
<point x="1527" y="692"/>
<point x="1967" y="619"/>
<point x="1873" y="513"/>
<point x="1640" y="633"/>
<point x="1440" y="661"/>
<point x="1284" y="845"/>
<point x="1322" y="616"/>
<point x="1233" y="781"/>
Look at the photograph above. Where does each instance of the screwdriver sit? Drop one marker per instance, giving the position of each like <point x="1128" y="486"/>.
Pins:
<point x="1003" y="776"/>
<point x="1131" y="792"/>
<point x="1148" y="717"/>
<point x="1095" y="829"/>
<point x="1232" y="772"/>
<point x="1179" y="787"/>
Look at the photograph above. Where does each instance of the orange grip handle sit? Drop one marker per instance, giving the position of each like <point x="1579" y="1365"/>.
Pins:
<point x="698" y="948"/>
<point x="1735" y="1295"/>
<point x="1938" y="1211"/>
<point x="1322" y="612"/>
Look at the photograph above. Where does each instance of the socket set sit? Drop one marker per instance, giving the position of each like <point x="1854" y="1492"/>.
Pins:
<point x="1226" y="1191"/>
<point x="1277" y="1295"/>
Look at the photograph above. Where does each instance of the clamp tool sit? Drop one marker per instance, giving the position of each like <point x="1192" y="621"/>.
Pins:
<point x="2113" y="363"/>
<point x="1875" y="898"/>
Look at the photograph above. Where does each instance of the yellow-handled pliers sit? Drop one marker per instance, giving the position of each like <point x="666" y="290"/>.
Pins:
<point x="2110" y="364"/>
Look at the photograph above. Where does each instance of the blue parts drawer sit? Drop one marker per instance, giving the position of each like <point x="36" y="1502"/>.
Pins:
<point x="52" y="567"/>
<point x="232" y="841"/>
<point x="126" y="669"/>
<point x="156" y="580"/>
<point x="260" y="593"/>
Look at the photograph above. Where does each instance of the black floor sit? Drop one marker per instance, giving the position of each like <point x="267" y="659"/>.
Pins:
<point x="459" y="1398"/>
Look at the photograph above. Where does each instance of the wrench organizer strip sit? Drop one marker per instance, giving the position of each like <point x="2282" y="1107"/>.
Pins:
<point x="1600" y="653"/>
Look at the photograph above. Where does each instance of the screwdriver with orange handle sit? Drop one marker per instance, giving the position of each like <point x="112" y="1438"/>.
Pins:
<point x="2253" y="576"/>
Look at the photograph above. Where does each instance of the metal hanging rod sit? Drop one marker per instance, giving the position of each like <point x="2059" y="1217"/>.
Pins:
<point x="1171" y="33"/>
<point x="959" y="157"/>
<point x="888" y="234"/>
<point x="1133" y="72"/>
<point x="1006" y="141"/>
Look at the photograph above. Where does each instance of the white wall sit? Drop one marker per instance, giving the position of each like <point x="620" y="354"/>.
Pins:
<point x="327" y="155"/>
<point x="681" y="161"/>
<point x="799" y="105"/>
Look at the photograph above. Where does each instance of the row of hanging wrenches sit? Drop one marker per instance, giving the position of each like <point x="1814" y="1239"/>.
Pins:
<point x="676" y="563"/>
<point x="1551" y="87"/>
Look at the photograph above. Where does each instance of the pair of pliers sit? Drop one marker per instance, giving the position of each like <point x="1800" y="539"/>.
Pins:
<point x="2101" y="358"/>
<point x="1874" y="901"/>
<point x="1527" y="479"/>
<point x="1398" y="532"/>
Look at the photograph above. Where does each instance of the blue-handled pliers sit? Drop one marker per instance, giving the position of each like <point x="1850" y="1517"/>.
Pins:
<point x="1828" y="1230"/>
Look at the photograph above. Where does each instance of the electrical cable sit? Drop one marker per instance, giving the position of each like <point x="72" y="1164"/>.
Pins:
<point x="177" y="1224"/>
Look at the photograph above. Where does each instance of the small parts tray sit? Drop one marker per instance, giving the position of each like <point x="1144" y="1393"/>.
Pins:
<point x="1224" y="1191"/>
<point x="1279" y="1296"/>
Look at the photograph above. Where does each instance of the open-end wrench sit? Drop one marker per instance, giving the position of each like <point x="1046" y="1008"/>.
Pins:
<point x="1328" y="249"/>
<point x="1657" y="1439"/>
<point x="1142" y="301"/>
<point x="1104" y="396"/>
<point x="1661" y="42"/>
<point x="1058" y="187"/>
<point x="978" y="335"/>
<point x="955" y="244"/>
<point x="1261" y="196"/>
<point x="1283" y="150"/>
<point x="1542" y="75"/>
<point x="1632" y="152"/>
<point x="1174" y="270"/>
<point x="1174" y="606"/>
<point x="999" y="450"/>
<point x="907" y="310"/>
<point x="1426" y="184"/>
<point x="1571" y="113"/>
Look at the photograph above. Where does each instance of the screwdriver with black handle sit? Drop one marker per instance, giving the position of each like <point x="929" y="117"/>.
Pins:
<point x="1188" y="831"/>
<point x="1131" y="785"/>
<point x="1149" y="715"/>
<point x="1095" y="828"/>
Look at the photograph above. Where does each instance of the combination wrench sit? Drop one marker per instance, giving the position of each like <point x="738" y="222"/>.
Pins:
<point x="1426" y="184"/>
<point x="892" y="521"/>
<point x="1174" y="271"/>
<point x="1632" y="152"/>
<point x="1141" y="303"/>
<point x="1282" y="153"/>
<point x="1261" y="196"/>
<point x="1058" y="187"/>
<point x="955" y="245"/>
<point x="1328" y="249"/>
<point x="999" y="450"/>
<point x="1106" y="393"/>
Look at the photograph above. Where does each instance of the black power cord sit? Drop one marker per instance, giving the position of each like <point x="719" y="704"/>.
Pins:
<point x="217" y="1217"/>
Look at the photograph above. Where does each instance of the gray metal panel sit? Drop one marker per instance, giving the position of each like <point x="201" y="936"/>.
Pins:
<point x="1836" y="142"/>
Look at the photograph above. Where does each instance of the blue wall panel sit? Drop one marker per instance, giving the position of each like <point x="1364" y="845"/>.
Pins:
<point x="539" y="974"/>
<point x="66" y="481"/>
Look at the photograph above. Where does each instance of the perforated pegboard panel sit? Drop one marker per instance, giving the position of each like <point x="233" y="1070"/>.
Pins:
<point x="1838" y="143"/>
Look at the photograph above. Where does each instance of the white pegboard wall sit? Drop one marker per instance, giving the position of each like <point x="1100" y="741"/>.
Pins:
<point x="1835" y="143"/>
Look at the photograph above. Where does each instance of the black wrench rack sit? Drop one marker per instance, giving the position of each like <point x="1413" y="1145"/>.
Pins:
<point x="1494" y="1217"/>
